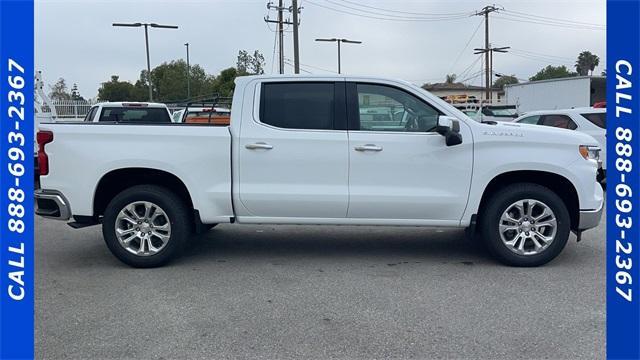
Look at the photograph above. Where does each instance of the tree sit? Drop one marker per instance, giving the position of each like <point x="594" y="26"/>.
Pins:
<point x="553" y="72"/>
<point x="59" y="90"/>
<point x="75" y="93"/>
<point x="116" y="90"/>
<point x="450" y="78"/>
<point x="169" y="81"/>
<point x="586" y="63"/>
<point x="248" y="64"/>
<point x="505" y="80"/>
<point x="225" y="82"/>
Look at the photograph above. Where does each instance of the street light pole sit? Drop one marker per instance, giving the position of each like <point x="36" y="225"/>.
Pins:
<point x="146" y="41"/>
<point x="340" y="41"/>
<point x="188" y="73"/>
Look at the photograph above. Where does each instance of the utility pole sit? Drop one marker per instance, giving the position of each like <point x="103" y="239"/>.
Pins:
<point x="296" y="54"/>
<point x="146" y="40"/>
<point x="188" y="73"/>
<point x="489" y="65"/>
<point x="280" y="24"/>
<point x="340" y="41"/>
<point x="485" y="12"/>
<point x="281" y="37"/>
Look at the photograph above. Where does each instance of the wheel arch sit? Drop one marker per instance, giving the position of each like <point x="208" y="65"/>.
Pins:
<point x="115" y="181"/>
<point x="559" y="184"/>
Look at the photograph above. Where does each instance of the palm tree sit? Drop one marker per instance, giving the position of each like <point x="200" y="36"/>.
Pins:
<point x="450" y="79"/>
<point x="586" y="63"/>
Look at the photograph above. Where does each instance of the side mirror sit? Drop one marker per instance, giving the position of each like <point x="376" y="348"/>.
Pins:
<point x="449" y="128"/>
<point x="453" y="138"/>
<point x="445" y="125"/>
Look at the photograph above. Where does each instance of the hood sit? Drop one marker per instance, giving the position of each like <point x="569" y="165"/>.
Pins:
<point x="537" y="133"/>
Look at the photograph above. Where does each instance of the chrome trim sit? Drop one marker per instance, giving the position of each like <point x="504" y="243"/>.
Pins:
<point x="59" y="199"/>
<point x="590" y="218"/>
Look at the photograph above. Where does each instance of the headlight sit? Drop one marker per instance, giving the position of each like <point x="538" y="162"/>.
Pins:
<point x="590" y="152"/>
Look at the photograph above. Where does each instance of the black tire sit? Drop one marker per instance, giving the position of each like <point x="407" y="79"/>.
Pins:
<point x="497" y="205"/>
<point x="176" y="211"/>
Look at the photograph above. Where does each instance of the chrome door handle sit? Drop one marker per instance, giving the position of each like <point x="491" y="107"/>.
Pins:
<point x="259" y="145"/>
<point x="368" y="147"/>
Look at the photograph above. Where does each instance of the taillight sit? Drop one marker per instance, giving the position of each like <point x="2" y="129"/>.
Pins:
<point x="43" y="138"/>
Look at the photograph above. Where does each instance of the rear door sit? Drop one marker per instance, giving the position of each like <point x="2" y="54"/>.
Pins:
<point x="293" y="155"/>
<point x="400" y="168"/>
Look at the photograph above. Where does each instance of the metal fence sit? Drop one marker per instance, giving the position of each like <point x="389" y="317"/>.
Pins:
<point x="69" y="108"/>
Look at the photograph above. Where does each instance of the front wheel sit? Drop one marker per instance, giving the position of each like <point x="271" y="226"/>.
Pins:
<point x="146" y="226"/>
<point x="525" y="225"/>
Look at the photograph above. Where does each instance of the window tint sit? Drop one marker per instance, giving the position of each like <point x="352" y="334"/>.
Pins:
<point x="530" y="119"/>
<point x="598" y="119"/>
<point x="135" y="114"/>
<point x="384" y="108"/>
<point x="298" y="105"/>
<point x="559" y="121"/>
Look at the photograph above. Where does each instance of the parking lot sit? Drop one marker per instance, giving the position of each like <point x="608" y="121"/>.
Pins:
<point x="317" y="292"/>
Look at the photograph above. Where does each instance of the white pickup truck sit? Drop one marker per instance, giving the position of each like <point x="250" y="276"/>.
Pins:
<point x="319" y="150"/>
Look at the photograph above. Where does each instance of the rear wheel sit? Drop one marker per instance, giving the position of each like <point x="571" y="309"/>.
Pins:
<point x="146" y="226"/>
<point x="525" y="225"/>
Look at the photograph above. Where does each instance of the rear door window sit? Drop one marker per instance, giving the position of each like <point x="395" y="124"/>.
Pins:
<point x="298" y="105"/>
<point x="135" y="114"/>
<point x="559" y="121"/>
<point x="597" y="119"/>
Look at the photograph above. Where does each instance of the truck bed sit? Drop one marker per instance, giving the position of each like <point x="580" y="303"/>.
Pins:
<point x="81" y="154"/>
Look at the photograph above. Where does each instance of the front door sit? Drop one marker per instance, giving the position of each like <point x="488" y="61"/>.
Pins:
<point x="399" y="167"/>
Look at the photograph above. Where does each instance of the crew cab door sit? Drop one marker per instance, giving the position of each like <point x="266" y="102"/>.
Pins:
<point x="400" y="168"/>
<point x="293" y="159"/>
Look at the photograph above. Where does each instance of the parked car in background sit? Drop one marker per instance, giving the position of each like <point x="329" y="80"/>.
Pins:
<point x="591" y="121"/>
<point x="310" y="150"/>
<point x="497" y="113"/>
<point x="129" y="112"/>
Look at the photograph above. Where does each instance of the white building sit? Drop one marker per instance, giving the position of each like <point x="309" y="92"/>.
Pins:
<point x="562" y="93"/>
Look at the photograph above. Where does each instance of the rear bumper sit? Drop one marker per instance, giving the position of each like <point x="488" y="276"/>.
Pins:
<point x="52" y="204"/>
<point x="590" y="218"/>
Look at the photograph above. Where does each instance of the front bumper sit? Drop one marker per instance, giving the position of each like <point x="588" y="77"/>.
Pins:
<point x="52" y="204"/>
<point x="590" y="218"/>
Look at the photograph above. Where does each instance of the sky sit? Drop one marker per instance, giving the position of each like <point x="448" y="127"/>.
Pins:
<point x="410" y="40"/>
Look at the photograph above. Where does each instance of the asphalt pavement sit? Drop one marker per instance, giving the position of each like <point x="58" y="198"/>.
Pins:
<point x="305" y="292"/>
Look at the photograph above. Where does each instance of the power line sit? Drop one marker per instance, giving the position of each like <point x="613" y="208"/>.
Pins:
<point x="566" y="26"/>
<point x="541" y="54"/>
<point x="465" y="46"/>
<point x="389" y="15"/>
<point x="553" y="19"/>
<point x="382" y="18"/>
<point x="468" y="68"/>
<point x="407" y="12"/>
<point x="540" y="60"/>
